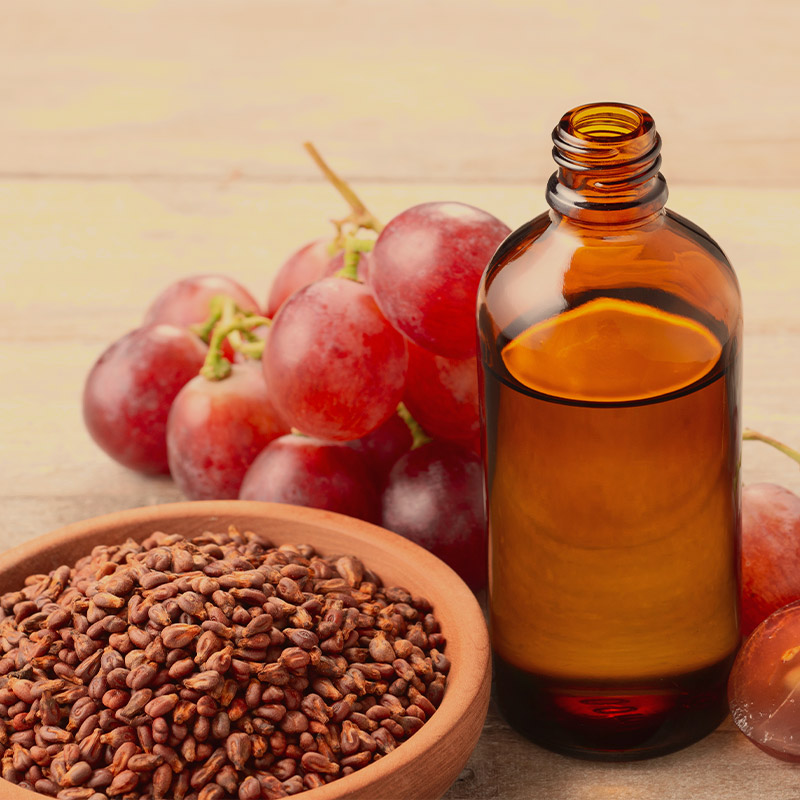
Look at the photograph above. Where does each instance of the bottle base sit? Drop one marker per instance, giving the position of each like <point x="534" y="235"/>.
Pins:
<point x="604" y="721"/>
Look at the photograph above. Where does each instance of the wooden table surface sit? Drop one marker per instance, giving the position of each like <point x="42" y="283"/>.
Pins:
<point x="141" y="141"/>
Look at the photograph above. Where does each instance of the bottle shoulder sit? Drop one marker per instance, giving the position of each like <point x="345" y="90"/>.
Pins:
<point x="688" y="230"/>
<point x="517" y="243"/>
<point x="551" y="263"/>
<point x="667" y="225"/>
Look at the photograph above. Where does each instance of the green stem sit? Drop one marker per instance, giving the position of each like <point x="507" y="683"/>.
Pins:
<point x="246" y="342"/>
<point x="216" y="366"/>
<point x="219" y="307"/>
<point x="418" y="434"/>
<point x="252" y="348"/>
<point x="751" y="435"/>
<point x="360" y="215"/>
<point x="353" y="248"/>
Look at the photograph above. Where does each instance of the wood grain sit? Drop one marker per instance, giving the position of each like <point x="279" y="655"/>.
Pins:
<point x="420" y="90"/>
<point x="144" y="140"/>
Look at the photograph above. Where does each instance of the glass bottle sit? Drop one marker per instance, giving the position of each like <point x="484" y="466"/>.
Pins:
<point x="610" y="333"/>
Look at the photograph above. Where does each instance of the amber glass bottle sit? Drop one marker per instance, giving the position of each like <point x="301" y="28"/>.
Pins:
<point x="610" y="335"/>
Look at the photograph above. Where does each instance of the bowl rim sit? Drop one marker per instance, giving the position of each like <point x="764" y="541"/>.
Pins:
<point x="471" y="676"/>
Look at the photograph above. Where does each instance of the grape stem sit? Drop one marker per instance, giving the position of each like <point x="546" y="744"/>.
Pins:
<point x="419" y="437"/>
<point x="751" y="435"/>
<point x="353" y="248"/>
<point x="221" y="305"/>
<point x="360" y="215"/>
<point x="216" y="367"/>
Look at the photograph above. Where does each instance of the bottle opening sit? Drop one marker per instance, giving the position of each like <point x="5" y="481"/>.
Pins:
<point x="605" y="133"/>
<point x="607" y="121"/>
<point x="608" y="160"/>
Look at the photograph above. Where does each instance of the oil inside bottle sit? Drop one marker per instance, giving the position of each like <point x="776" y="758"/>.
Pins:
<point x="612" y="474"/>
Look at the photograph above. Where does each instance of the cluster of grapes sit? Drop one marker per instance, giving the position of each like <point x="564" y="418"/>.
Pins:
<point x="355" y="391"/>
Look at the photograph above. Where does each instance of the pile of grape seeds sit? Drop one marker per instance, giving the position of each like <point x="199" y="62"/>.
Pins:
<point x="209" y="668"/>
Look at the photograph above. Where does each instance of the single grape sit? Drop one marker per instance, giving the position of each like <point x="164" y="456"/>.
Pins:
<point x="310" y="263"/>
<point x="187" y="302"/>
<point x="382" y="447"/>
<point x="336" y="367"/>
<point x="764" y="686"/>
<point x="770" y="551"/>
<point x="434" y="497"/>
<point x="442" y="395"/>
<point x="217" y="428"/>
<point x="306" y="471"/>
<point x="129" y="390"/>
<point x="426" y="267"/>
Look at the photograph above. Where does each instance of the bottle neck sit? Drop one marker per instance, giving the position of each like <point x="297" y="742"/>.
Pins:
<point x="608" y="157"/>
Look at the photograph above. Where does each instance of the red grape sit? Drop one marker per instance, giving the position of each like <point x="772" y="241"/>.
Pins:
<point x="770" y="551"/>
<point x="129" y="390"/>
<point x="187" y="302"/>
<point x="435" y="498"/>
<point x="426" y="267"/>
<point x="364" y="267"/>
<point x="217" y="428"/>
<point x="764" y="682"/>
<point x="383" y="446"/>
<point x="442" y="395"/>
<point x="310" y="263"/>
<point x="336" y="366"/>
<point x="305" y="471"/>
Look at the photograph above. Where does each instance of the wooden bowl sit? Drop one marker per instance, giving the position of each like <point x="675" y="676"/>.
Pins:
<point x="422" y="767"/>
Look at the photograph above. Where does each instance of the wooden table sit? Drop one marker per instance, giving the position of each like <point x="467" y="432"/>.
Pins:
<point x="145" y="140"/>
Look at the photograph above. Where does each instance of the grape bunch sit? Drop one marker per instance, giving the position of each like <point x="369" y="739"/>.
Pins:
<point x="356" y="390"/>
